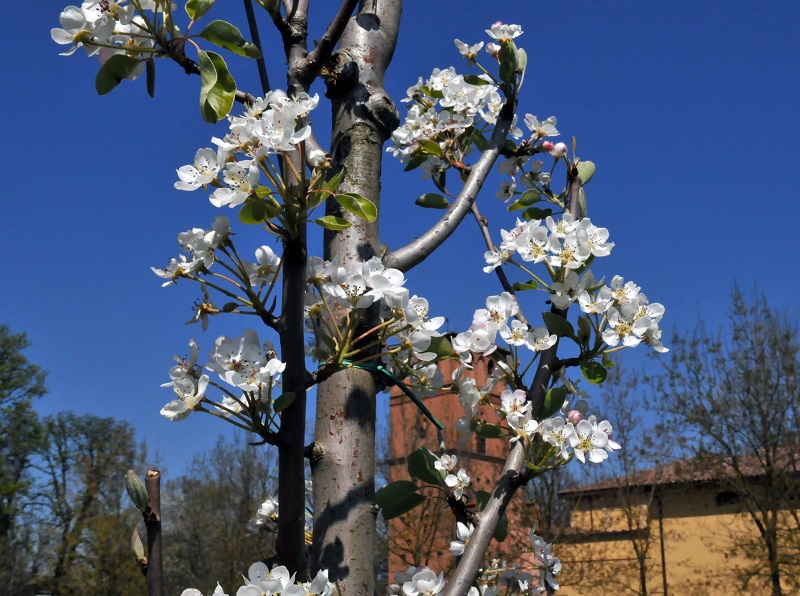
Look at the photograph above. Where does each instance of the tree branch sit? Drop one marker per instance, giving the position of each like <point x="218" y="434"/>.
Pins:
<point x="471" y="560"/>
<point x="155" y="566"/>
<point x="421" y="248"/>
<point x="320" y="55"/>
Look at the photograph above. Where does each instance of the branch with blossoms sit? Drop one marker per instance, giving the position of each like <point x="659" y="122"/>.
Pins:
<point x="347" y="313"/>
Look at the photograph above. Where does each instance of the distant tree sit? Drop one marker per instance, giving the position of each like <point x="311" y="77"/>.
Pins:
<point x="206" y="511"/>
<point x="21" y="383"/>
<point x="82" y="466"/>
<point x="735" y="393"/>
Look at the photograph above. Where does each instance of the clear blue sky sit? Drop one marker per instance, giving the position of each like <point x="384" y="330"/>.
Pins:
<point x="689" y="109"/>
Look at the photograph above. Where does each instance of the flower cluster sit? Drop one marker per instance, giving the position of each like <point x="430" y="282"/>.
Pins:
<point x="565" y="247"/>
<point x="261" y="581"/>
<point x="550" y="565"/>
<point x="337" y="299"/>
<point x="105" y="28"/>
<point x="266" y="517"/>
<point x="494" y="320"/>
<point x="200" y="245"/>
<point x="441" y="109"/>
<point x="270" y="125"/>
<point x="242" y="363"/>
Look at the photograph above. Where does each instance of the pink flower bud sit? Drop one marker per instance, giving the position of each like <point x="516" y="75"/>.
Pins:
<point x="493" y="49"/>
<point x="559" y="150"/>
<point x="497" y="24"/>
<point x="574" y="416"/>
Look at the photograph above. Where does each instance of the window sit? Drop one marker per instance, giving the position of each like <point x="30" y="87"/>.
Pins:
<point x="727" y="497"/>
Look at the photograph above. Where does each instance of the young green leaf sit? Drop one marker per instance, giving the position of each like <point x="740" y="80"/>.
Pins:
<point x="558" y="325"/>
<point x="150" y="69"/>
<point x="553" y="400"/>
<point x="399" y="508"/>
<point x="528" y="198"/>
<point x="536" y="213"/>
<point x="522" y="286"/>
<point x="217" y="87"/>
<point x="585" y="171"/>
<point x="431" y="200"/>
<point x="331" y="222"/>
<point x="225" y="35"/>
<point x="284" y="401"/>
<point x="116" y="68"/>
<point x="198" y="8"/>
<point x="594" y="372"/>
<point x="430" y="147"/>
<point x="420" y="465"/>
<point x="359" y="206"/>
<point x="490" y="431"/>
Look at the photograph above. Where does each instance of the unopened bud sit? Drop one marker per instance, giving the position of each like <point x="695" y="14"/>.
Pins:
<point x="317" y="158"/>
<point x="137" y="491"/>
<point x="559" y="150"/>
<point x="547" y="146"/>
<point x="574" y="416"/>
<point x="136" y="545"/>
<point x="493" y="49"/>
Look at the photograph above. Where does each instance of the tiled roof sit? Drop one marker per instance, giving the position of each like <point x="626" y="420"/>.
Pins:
<point x="699" y="469"/>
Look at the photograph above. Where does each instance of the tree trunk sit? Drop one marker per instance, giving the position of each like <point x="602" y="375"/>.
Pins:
<point x="344" y="476"/>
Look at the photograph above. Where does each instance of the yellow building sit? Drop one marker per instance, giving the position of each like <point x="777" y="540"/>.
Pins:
<point x="673" y="529"/>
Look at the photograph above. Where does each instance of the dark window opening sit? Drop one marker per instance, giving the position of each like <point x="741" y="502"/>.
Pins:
<point x="727" y="497"/>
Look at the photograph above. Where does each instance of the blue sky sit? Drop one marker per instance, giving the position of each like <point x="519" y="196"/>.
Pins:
<point x="689" y="109"/>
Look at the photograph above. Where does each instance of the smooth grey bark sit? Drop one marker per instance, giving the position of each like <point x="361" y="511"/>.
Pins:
<point x="344" y="476"/>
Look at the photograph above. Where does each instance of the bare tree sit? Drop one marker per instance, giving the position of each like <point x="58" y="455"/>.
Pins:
<point x="735" y="394"/>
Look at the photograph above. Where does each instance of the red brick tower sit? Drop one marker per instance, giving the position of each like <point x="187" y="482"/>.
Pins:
<point x="422" y="536"/>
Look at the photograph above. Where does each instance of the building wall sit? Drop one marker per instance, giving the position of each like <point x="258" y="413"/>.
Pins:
<point x="702" y="534"/>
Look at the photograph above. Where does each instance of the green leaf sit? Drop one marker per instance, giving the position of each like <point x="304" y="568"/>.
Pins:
<point x="430" y="147"/>
<point x="607" y="362"/>
<point x="420" y="465"/>
<point x="508" y="62"/>
<point x="399" y="508"/>
<point x="257" y="211"/>
<point x="116" y="68"/>
<point x="490" y="431"/>
<point x="225" y="35"/>
<point x="359" y="206"/>
<point x="522" y="286"/>
<point x="197" y="8"/>
<point x="284" y="401"/>
<point x="585" y="171"/>
<point x="522" y="61"/>
<point x="431" y="200"/>
<point x="441" y="347"/>
<point x="150" y="69"/>
<point x="333" y="184"/>
<point x="558" y="325"/>
<point x="395" y="492"/>
<point x="473" y="79"/>
<point x="594" y="372"/>
<point x="501" y="531"/>
<point x="217" y="87"/>
<point x="331" y="222"/>
<point x="553" y="400"/>
<point x="481" y="142"/>
<point x="528" y="198"/>
<point x="536" y="213"/>
<point x="229" y="306"/>
<point x="417" y="159"/>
